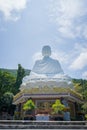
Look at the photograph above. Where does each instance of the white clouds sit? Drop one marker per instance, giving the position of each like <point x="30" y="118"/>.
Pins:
<point x="80" y="48"/>
<point x="85" y="32"/>
<point x="77" y="60"/>
<point x="62" y="57"/>
<point x="84" y="75"/>
<point x="11" y="8"/>
<point x="68" y="15"/>
<point x="37" y="56"/>
<point x="80" y="62"/>
<point x="80" y="57"/>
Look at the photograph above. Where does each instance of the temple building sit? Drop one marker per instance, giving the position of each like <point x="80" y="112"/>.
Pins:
<point x="46" y="83"/>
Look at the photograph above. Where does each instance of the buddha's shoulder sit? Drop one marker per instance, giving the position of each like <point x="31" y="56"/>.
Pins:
<point x="49" y="59"/>
<point x="54" y="60"/>
<point x="38" y="61"/>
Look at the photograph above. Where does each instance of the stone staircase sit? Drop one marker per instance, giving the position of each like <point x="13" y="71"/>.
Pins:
<point x="21" y="124"/>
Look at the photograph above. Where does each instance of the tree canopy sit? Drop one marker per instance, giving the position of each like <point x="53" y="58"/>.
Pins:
<point x="29" y="105"/>
<point x="7" y="82"/>
<point x="20" y="75"/>
<point x="58" y="107"/>
<point x="9" y="86"/>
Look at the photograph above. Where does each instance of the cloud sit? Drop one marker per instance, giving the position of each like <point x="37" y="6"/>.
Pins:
<point x="84" y="75"/>
<point x="60" y="56"/>
<point x="37" y="56"/>
<point x="80" y="62"/>
<point x="70" y="17"/>
<point x="79" y="57"/>
<point x="12" y="8"/>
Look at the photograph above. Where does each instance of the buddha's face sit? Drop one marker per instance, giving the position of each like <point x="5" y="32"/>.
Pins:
<point x="46" y="51"/>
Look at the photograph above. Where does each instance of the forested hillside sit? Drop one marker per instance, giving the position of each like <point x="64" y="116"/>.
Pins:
<point x="14" y="71"/>
<point x="81" y="86"/>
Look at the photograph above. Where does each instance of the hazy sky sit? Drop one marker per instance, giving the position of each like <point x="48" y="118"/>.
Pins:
<point x="27" y="25"/>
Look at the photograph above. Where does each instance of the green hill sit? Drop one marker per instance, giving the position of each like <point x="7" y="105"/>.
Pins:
<point x="14" y="71"/>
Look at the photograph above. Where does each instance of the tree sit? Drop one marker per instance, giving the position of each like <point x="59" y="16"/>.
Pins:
<point x="20" y="75"/>
<point x="9" y="85"/>
<point x="84" y="106"/>
<point x="6" y="103"/>
<point x="7" y="82"/>
<point x="29" y="105"/>
<point x="29" y="108"/>
<point x="8" y="98"/>
<point x="58" y="107"/>
<point x="80" y="86"/>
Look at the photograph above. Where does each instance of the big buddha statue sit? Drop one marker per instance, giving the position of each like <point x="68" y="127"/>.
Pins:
<point x="47" y="65"/>
<point x="47" y="70"/>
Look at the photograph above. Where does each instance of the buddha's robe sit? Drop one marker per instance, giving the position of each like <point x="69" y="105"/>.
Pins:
<point x="47" y="66"/>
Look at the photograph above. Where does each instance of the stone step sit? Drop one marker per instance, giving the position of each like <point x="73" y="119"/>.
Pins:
<point x="42" y="122"/>
<point x="43" y="125"/>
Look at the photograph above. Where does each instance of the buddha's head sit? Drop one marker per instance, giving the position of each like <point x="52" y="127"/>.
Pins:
<point x="46" y="51"/>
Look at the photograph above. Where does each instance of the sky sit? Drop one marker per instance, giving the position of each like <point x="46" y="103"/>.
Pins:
<point x="27" y="25"/>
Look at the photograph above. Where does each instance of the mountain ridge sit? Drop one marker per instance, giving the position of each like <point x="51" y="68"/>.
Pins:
<point x="14" y="71"/>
